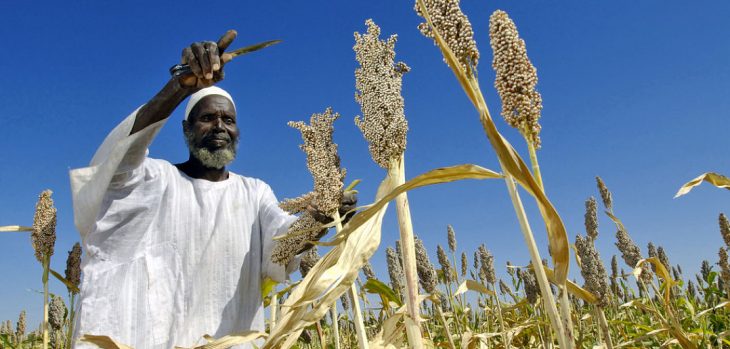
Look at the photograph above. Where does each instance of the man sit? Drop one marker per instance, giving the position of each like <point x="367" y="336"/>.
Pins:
<point x="174" y="252"/>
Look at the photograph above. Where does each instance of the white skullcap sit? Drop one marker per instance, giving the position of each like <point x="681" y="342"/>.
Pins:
<point x="197" y="96"/>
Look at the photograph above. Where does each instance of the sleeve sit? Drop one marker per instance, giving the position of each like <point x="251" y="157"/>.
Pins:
<point x="118" y="156"/>
<point x="273" y="222"/>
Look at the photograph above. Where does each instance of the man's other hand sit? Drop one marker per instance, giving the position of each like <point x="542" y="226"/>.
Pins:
<point x="206" y="60"/>
<point x="346" y="210"/>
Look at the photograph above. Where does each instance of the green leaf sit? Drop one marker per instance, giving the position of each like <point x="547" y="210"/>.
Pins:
<point x="68" y="284"/>
<point x="386" y="293"/>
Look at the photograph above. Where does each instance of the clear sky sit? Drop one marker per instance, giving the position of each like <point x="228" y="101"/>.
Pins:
<point x="636" y="92"/>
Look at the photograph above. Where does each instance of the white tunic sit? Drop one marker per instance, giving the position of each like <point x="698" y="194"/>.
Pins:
<point x="169" y="258"/>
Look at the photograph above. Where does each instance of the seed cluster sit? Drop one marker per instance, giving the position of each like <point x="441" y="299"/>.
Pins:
<point x="464" y="264"/>
<point x="454" y="28"/>
<point x="43" y="236"/>
<point x="20" y="327"/>
<point x="426" y="272"/>
<point x="445" y="263"/>
<point x="297" y="205"/>
<point x="486" y="271"/>
<point x="322" y="159"/>
<point x="530" y="285"/>
<point x="56" y="313"/>
<point x="302" y="231"/>
<point x="324" y="165"/>
<point x="725" y="229"/>
<point x="631" y="253"/>
<point x="378" y="81"/>
<point x="73" y="266"/>
<point x="367" y="269"/>
<point x="614" y="277"/>
<point x="395" y="270"/>
<point x="309" y="259"/>
<point x="451" y="237"/>
<point x="605" y="194"/>
<point x="516" y="77"/>
<point x="592" y="269"/>
<point x="591" y="218"/>
<point x="724" y="266"/>
<point x="663" y="257"/>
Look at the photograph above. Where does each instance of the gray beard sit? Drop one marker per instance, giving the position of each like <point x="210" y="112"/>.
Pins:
<point x="212" y="159"/>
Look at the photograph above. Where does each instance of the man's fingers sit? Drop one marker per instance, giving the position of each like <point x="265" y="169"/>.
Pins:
<point x="201" y="56"/>
<point x="213" y="58"/>
<point x="226" y="40"/>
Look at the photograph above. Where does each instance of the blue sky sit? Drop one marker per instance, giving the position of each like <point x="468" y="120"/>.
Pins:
<point x="636" y="92"/>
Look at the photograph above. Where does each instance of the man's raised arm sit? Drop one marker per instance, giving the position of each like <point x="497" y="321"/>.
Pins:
<point x="206" y="61"/>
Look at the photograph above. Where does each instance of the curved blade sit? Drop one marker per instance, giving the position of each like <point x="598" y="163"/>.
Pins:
<point x="248" y="49"/>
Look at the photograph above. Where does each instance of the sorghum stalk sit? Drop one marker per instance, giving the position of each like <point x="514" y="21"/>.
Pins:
<point x="471" y="86"/>
<point x="378" y="82"/>
<point x="565" y="336"/>
<point x="73" y="275"/>
<point x="274" y="308"/>
<point x="43" y="238"/>
<point x="335" y="326"/>
<point x="446" y="326"/>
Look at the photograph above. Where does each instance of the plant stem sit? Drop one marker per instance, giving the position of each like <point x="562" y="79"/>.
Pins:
<point x="503" y="328"/>
<point x="46" y="267"/>
<point x="535" y="166"/>
<point x="408" y="249"/>
<point x="320" y="334"/>
<point x="274" y="308"/>
<point x="603" y="325"/>
<point x="564" y="339"/>
<point x="362" y="338"/>
<point x="71" y="316"/>
<point x="335" y="326"/>
<point x="446" y="326"/>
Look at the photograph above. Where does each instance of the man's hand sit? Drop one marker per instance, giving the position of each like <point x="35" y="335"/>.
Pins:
<point x="206" y="60"/>
<point x="346" y="210"/>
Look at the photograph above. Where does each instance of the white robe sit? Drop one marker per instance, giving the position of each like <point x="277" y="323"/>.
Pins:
<point x="169" y="258"/>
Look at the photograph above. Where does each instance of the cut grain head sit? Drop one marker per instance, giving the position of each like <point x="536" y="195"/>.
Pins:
<point x="323" y="163"/>
<point x="298" y="204"/>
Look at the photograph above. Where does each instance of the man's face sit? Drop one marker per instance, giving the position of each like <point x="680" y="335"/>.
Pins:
<point x="211" y="131"/>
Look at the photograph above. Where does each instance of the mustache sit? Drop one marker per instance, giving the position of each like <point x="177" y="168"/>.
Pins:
<point x="216" y="137"/>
